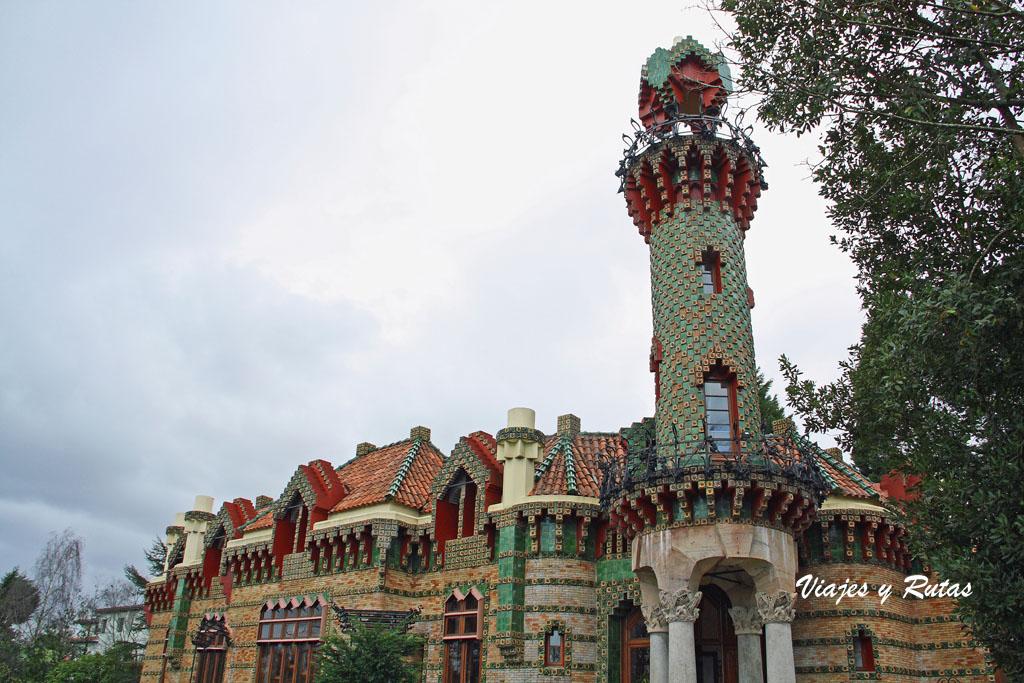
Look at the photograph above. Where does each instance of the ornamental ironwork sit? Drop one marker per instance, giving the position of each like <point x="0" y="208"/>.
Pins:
<point x="709" y="125"/>
<point x="713" y="459"/>
<point x="394" y="620"/>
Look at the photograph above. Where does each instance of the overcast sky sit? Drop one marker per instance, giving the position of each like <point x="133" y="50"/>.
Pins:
<point x="240" y="236"/>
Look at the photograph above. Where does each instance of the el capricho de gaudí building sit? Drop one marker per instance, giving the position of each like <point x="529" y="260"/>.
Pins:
<point x="669" y="550"/>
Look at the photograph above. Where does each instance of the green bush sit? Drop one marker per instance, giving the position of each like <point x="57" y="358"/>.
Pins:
<point x="369" y="654"/>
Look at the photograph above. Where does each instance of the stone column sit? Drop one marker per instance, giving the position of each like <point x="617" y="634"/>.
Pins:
<point x="747" y="624"/>
<point x="681" y="610"/>
<point x="777" y="612"/>
<point x="657" y="629"/>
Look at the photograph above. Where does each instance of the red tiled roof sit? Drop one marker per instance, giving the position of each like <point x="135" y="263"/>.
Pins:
<point x="588" y="449"/>
<point x="370" y="477"/>
<point x="264" y="520"/>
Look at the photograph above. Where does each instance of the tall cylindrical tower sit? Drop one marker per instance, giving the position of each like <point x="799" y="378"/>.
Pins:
<point x="691" y="183"/>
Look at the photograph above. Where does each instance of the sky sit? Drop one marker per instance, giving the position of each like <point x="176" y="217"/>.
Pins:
<point x="237" y="237"/>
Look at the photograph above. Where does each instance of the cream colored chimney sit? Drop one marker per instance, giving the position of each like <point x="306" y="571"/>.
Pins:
<point x="174" y="532"/>
<point x="196" y="523"/>
<point x="519" y="448"/>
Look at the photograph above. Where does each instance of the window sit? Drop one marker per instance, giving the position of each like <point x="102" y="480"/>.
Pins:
<point x="288" y="635"/>
<point x="711" y="272"/>
<point x="462" y="637"/>
<point x="863" y="652"/>
<point x="720" y="409"/>
<point x="211" y="650"/>
<point x="554" y="649"/>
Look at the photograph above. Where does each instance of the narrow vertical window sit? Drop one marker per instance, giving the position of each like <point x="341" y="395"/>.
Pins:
<point x="710" y="272"/>
<point x="720" y="409"/>
<point x="863" y="652"/>
<point x="554" y="652"/>
<point x="462" y="638"/>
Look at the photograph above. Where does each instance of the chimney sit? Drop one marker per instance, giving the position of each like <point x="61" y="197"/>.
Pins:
<point x="519" y="449"/>
<point x="196" y="522"/>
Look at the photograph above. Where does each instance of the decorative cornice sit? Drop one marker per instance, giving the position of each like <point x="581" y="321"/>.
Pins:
<point x="681" y="605"/>
<point x="520" y="433"/>
<point x="777" y="607"/>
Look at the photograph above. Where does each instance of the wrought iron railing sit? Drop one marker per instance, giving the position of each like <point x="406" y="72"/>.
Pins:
<point x="712" y="459"/>
<point x="708" y="125"/>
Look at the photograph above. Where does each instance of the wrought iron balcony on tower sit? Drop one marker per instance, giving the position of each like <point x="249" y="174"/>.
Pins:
<point x="713" y="460"/>
<point x="709" y="125"/>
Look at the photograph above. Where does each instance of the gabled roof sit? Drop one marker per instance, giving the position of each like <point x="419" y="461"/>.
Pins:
<point x="230" y="519"/>
<point x="843" y="477"/>
<point x="476" y="454"/>
<point x="570" y="465"/>
<point x="317" y="484"/>
<point x="401" y="472"/>
<point x="264" y="519"/>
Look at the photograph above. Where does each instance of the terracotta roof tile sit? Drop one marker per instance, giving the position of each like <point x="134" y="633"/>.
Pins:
<point x="587" y="450"/>
<point x="264" y="520"/>
<point x="371" y="478"/>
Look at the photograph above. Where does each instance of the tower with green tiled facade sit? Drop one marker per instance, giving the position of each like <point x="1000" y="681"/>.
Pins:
<point x="691" y="183"/>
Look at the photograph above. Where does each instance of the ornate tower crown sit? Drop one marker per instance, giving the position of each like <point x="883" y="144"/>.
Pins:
<point x="691" y="181"/>
<point x="686" y="80"/>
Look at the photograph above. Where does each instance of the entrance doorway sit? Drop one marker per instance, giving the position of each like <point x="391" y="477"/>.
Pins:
<point x="715" y="638"/>
<point x="636" y="649"/>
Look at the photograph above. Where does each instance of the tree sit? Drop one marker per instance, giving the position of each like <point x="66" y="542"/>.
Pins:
<point x="771" y="410"/>
<point x="116" y="665"/>
<point x="920" y="107"/>
<point x="58" y="578"/>
<point x="371" y="654"/>
<point x="19" y="598"/>
<point x="155" y="558"/>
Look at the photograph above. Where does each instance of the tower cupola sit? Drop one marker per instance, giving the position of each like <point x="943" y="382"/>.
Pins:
<point x="691" y="182"/>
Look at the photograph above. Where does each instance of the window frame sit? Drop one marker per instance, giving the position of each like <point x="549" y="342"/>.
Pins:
<point x="722" y="375"/>
<point x="299" y="650"/>
<point x="462" y="639"/>
<point x="863" y="645"/>
<point x="548" y="661"/>
<point x="711" y="263"/>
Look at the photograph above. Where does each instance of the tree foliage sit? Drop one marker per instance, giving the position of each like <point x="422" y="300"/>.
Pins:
<point x="920" y="106"/>
<point x="771" y="409"/>
<point x="19" y="598"/>
<point x="116" y="665"/>
<point x="370" y="654"/>
<point x="58" y="577"/>
<point x="155" y="557"/>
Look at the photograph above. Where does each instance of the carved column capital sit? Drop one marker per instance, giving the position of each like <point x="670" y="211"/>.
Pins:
<point x="655" y="617"/>
<point x="776" y="607"/>
<point x="681" y="605"/>
<point x="745" y="620"/>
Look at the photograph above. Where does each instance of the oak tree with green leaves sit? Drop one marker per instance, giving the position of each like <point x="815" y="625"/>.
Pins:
<point x="920" y="107"/>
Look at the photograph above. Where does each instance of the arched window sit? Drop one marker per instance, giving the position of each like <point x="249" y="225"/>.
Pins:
<point x="462" y="637"/>
<point x="211" y="641"/>
<point x="554" y="649"/>
<point x="289" y="633"/>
